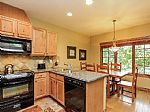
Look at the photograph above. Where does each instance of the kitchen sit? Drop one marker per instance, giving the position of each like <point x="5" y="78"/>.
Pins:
<point x="49" y="53"/>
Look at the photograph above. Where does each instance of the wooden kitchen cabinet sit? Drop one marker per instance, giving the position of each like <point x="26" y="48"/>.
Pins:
<point x="14" y="28"/>
<point x="51" y="40"/>
<point x="40" y="85"/>
<point x="7" y="26"/>
<point x="43" y="43"/>
<point x="53" y="88"/>
<point x="57" y="87"/>
<point x="38" y="42"/>
<point x="60" y="91"/>
<point x="24" y="30"/>
<point x="40" y="88"/>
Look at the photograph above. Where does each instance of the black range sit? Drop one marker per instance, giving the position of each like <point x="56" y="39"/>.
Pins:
<point x="16" y="91"/>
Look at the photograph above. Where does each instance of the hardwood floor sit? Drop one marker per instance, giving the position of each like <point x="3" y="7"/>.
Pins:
<point x="123" y="104"/>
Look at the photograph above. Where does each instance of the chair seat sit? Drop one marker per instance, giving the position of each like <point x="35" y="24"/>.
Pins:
<point x="125" y="83"/>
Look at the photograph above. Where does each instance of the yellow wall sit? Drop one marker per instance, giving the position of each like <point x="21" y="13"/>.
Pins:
<point x="66" y="38"/>
<point x="134" y="32"/>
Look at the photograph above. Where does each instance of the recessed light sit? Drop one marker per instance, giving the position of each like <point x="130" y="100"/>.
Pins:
<point x="89" y="2"/>
<point x="69" y="14"/>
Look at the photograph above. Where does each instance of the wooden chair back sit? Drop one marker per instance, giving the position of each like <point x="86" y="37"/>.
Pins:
<point x="134" y="79"/>
<point x="116" y="66"/>
<point x="104" y="68"/>
<point x="83" y="65"/>
<point x="90" y="67"/>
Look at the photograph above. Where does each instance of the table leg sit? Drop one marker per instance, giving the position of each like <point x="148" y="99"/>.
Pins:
<point x="113" y="85"/>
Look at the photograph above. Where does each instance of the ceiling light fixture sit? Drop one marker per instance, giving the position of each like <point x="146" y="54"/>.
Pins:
<point x="114" y="48"/>
<point x="89" y="2"/>
<point x="69" y="14"/>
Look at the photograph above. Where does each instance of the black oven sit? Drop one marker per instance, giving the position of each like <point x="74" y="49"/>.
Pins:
<point x="16" y="91"/>
<point x="75" y="95"/>
<point x="11" y="45"/>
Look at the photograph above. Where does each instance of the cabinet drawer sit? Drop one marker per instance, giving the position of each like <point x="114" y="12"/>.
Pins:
<point x="52" y="75"/>
<point x="59" y="77"/>
<point x="40" y="75"/>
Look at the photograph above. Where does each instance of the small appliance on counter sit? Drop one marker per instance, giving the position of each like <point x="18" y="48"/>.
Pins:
<point x="41" y="65"/>
<point x="9" y="69"/>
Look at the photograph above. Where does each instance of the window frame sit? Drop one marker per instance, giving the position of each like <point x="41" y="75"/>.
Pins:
<point x="127" y="42"/>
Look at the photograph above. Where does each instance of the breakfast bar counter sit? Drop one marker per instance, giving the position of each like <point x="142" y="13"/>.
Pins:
<point x="88" y="88"/>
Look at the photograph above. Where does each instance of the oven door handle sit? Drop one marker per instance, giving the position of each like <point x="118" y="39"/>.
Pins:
<point x="11" y="50"/>
<point x="14" y="83"/>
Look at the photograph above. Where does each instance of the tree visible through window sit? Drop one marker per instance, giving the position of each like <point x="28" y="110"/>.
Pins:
<point x="142" y="58"/>
<point x="107" y="56"/>
<point x="124" y="57"/>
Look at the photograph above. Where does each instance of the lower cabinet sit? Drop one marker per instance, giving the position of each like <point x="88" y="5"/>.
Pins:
<point x="40" y="85"/>
<point x="60" y="92"/>
<point x="57" y="87"/>
<point x="46" y="84"/>
<point x="53" y="87"/>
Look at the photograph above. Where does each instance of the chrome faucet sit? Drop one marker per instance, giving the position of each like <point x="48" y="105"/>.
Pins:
<point x="69" y="67"/>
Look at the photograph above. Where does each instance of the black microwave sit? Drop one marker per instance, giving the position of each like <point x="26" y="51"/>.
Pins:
<point x="12" y="45"/>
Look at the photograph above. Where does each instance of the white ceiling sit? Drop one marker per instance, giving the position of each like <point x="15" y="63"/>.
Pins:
<point x="87" y="20"/>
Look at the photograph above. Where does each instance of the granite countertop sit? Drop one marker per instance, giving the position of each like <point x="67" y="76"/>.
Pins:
<point x="86" y="76"/>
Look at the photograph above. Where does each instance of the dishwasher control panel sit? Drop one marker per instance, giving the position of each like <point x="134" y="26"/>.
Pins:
<point x="75" y="82"/>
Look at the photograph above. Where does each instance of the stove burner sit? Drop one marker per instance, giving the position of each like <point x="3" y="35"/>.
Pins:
<point x="17" y="75"/>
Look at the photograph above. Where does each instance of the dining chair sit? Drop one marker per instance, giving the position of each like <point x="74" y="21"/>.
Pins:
<point x="90" y="67"/>
<point x="103" y="68"/>
<point x="130" y="85"/>
<point x="83" y="65"/>
<point x="115" y="66"/>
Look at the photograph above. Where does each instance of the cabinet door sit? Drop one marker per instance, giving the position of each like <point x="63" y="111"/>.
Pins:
<point x="53" y="88"/>
<point x="38" y="42"/>
<point x="24" y="30"/>
<point x="36" y="88"/>
<point x="39" y="88"/>
<point x="42" y="87"/>
<point x="51" y="44"/>
<point x="60" y="92"/>
<point x="7" y="26"/>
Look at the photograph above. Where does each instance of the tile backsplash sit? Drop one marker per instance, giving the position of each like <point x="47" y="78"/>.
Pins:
<point x="22" y="61"/>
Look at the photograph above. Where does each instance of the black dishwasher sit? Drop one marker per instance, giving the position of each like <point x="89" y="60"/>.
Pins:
<point x="75" y="95"/>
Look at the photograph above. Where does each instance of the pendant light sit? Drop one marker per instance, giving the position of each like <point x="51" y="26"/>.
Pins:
<point x="89" y="2"/>
<point x="114" y="48"/>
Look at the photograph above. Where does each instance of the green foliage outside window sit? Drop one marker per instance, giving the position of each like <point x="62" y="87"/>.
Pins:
<point x="124" y="57"/>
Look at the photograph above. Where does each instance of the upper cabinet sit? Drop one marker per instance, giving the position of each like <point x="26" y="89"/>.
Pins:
<point x="24" y="29"/>
<point x="51" y="44"/>
<point x="7" y="26"/>
<point x="14" y="22"/>
<point x="38" y="42"/>
<point x="43" y="43"/>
